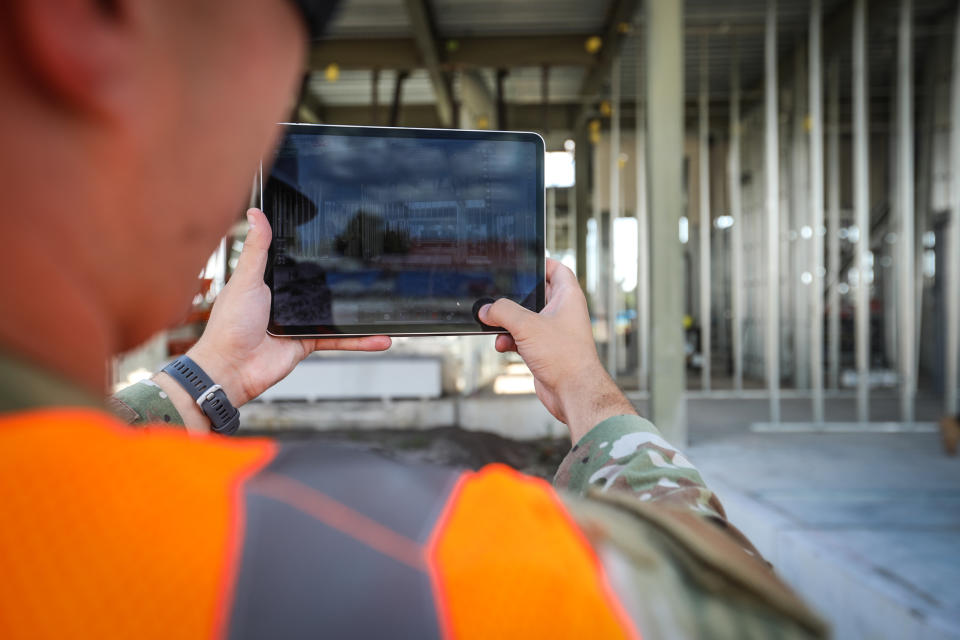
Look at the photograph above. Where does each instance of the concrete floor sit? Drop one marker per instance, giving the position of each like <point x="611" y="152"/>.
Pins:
<point x="865" y="526"/>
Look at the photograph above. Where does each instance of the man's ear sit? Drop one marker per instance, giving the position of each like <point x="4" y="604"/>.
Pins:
<point x="77" y="51"/>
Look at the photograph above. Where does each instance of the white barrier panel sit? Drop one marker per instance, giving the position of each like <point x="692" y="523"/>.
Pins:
<point x="360" y="378"/>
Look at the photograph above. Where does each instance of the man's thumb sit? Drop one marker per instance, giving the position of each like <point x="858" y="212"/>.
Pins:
<point x="253" y="258"/>
<point x="507" y="314"/>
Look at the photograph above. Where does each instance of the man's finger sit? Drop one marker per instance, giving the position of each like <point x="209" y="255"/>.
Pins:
<point x="253" y="258"/>
<point x="505" y="343"/>
<point x="367" y="343"/>
<point x="559" y="274"/>
<point x="507" y="314"/>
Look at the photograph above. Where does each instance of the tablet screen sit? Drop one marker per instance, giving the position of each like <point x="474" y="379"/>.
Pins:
<point x="379" y="230"/>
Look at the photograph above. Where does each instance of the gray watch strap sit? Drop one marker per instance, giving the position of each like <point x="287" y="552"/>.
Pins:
<point x="209" y="396"/>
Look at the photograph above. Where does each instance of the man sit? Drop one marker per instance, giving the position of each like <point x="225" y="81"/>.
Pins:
<point x="130" y="129"/>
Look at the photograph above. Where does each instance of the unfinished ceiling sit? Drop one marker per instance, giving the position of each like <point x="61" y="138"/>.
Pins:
<point x="435" y="41"/>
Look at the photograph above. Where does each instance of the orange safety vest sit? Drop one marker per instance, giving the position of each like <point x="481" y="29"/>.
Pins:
<point x="109" y="531"/>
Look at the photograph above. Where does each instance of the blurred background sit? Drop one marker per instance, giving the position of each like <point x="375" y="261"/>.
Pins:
<point x="761" y="201"/>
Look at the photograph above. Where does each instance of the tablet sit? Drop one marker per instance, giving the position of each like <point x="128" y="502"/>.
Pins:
<point x="383" y="230"/>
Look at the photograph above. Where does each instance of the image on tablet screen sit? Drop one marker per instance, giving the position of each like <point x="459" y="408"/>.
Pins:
<point x="392" y="230"/>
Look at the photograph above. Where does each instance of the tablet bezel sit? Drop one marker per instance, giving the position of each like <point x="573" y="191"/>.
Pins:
<point x="407" y="329"/>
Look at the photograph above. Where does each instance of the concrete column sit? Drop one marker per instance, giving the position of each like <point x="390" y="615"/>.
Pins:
<point x="772" y="197"/>
<point x="861" y="205"/>
<point x="664" y="91"/>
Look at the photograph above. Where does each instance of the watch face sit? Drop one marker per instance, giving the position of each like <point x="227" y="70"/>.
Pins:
<point x="401" y="231"/>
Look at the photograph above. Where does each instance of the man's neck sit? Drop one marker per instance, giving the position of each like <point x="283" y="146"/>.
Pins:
<point x="51" y="319"/>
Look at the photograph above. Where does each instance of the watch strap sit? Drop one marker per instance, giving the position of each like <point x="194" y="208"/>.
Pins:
<point x="209" y="396"/>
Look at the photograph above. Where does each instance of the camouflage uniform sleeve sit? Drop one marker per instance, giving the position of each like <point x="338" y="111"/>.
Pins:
<point x="628" y="454"/>
<point x="144" y="403"/>
<point x="679" y="567"/>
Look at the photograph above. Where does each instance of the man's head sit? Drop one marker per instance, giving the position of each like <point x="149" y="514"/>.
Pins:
<point x="131" y="130"/>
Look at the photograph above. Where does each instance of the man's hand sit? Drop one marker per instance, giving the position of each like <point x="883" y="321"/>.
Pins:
<point x="235" y="349"/>
<point x="557" y="345"/>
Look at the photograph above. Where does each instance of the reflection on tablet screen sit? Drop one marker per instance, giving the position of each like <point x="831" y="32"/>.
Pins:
<point x="379" y="231"/>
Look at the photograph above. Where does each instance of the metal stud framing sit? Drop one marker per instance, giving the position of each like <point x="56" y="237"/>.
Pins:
<point x="815" y="95"/>
<point x="703" y="153"/>
<point x="736" y="231"/>
<point x="772" y="197"/>
<point x="952" y="288"/>
<point x="833" y="224"/>
<point x="861" y="205"/>
<point x="905" y="242"/>
<point x="643" y="235"/>
<point x="613" y="214"/>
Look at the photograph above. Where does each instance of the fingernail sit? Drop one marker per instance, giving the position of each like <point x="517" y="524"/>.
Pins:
<point x="484" y="310"/>
<point x="251" y="220"/>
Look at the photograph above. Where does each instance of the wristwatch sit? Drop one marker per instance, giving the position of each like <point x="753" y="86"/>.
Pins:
<point x="210" y="397"/>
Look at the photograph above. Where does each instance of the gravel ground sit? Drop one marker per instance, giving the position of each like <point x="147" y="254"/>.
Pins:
<point x="449" y="446"/>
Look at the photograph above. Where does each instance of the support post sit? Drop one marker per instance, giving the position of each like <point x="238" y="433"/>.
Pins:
<point x="815" y="94"/>
<point x="375" y="98"/>
<point x="772" y="196"/>
<point x="861" y="205"/>
<point x="551" y="220"/>
<point x="905" y="240"/>
<point x="952" y="288"/>
<point x="795" y="259"/>
<point x="598" y="263"/>
<point x="501" y="100"/>
<point x="936" y="60"/>
<point x="397" y="97"/>
<point x="889" y="277"/>
<point x="833" y="223"/>
<point x="643" y="232"/>
<point x="425" y="36"/>
<point x="571" y="225"/>
<point x="581" y="163"/>
<point x="736" y="231"/>
<point x="663" y="63"/>
<point x="612" y="215"/>
<point x="613" y="34"/>
<point x="545" y="98"/>
<point x="703" y="154"/>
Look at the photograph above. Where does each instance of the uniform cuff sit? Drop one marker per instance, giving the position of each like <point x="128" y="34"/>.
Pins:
<point x="597" y="447"/>
<point x="144" y="403"/>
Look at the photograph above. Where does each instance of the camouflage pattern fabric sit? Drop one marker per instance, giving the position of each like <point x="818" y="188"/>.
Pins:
<point x="680" y="568"/>
<point x="144" y="403"/>
<point x="627" y="453"/>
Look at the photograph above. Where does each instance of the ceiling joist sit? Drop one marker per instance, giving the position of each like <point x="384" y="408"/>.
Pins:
<point x="425" y="36"/>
